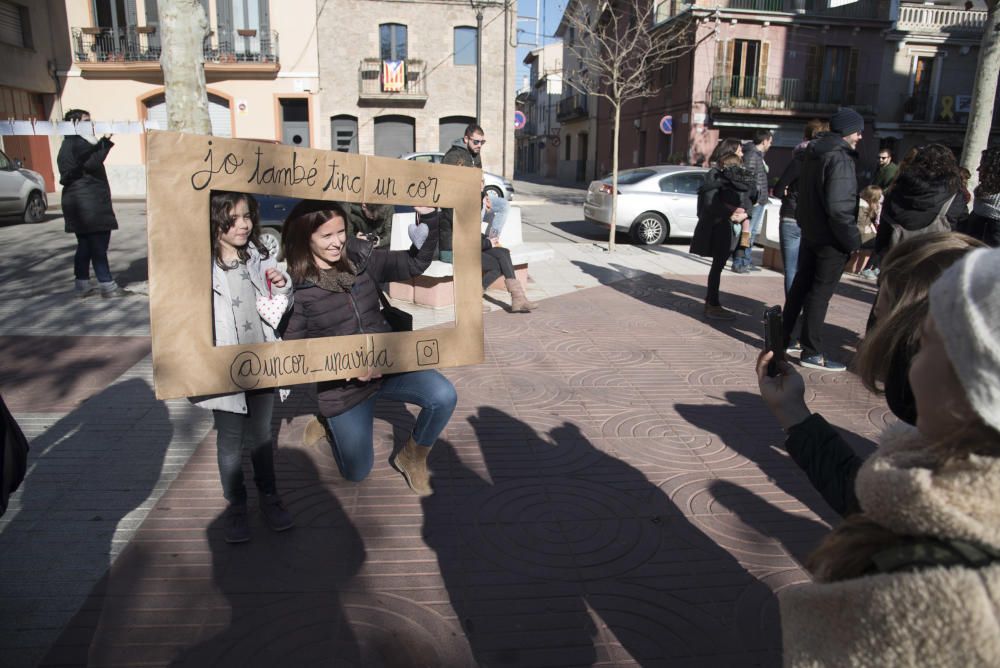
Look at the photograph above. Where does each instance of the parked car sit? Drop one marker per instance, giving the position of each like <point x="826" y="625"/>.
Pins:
<point x="494" y="183"/>
<point x="653" y="202"/>
<point x="273" y="211"/>
<point x="22" y="191"/>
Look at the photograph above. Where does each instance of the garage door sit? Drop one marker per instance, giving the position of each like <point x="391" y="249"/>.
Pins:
<point x="451" y="128"/>
<point x="218" y="113"/>
<point x="394" y="135"/>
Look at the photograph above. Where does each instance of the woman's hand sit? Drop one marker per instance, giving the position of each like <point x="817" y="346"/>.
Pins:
<point x="371" y="374"/>
<point x="487" y="203"/>
<point x="275" y="276"/>
<point x="784" y="394"/>
<point x="424" y="210"/>
<point x="739" y="215"/>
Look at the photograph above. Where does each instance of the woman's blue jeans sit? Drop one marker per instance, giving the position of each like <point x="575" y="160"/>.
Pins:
<point x="92" y="248"/>
<point x="790" y="236"/>
<point x="352" y="430"/>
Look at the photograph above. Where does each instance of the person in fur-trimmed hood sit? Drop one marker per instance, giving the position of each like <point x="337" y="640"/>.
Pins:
<point x="913" y="577"/>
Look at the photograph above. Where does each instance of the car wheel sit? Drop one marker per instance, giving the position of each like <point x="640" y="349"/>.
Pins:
<point x="649" y="229"/>
<point x="496" y="192"/>
<point x="34" y="210"/>
<point x="271" y="238"/>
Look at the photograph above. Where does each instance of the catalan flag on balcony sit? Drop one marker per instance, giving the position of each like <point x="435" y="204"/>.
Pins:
<point x="393" y="75"/>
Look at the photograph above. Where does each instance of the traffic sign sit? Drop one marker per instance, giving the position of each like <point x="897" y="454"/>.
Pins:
<point x="519" y="120"/>
<point x="667" y="125"/>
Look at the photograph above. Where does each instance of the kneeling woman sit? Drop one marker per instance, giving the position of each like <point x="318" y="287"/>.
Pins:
<point x="337" y="281"/>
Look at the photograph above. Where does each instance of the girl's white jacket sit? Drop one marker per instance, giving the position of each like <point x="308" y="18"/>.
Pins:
<point x="225" y="322"/>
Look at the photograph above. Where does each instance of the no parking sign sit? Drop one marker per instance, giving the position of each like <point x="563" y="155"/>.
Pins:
<point x="667" y="125"/>
<point x="519" y="120"/>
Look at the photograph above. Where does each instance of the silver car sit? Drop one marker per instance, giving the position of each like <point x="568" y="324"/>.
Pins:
<point x="22" y="191"/>
<point x="653" y="202"/>
<point x="494" y="183"/>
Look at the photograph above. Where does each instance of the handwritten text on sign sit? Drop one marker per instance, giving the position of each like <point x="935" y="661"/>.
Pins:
<point x="331" y="175"/>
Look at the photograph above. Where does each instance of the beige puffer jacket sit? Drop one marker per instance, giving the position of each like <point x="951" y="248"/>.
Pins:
<point x="932" y="617"/>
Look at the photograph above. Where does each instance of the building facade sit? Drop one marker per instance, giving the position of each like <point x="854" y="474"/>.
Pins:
<point x="29" y="85"/>
<point x="401" y="77"/>
<point x="539" y="142"/>
<point x="260" y="70"/>
<point x="576" y="113"/>
<point x="930" y="65"/>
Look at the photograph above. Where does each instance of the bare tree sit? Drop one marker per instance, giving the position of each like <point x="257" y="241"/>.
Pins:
<point x="984" y="92"/>
<point x="619" y="49"/>
<point x="185" y="28"/>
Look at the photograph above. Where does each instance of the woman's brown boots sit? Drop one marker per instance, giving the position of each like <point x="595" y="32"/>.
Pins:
<point x="518" y="300"/>
<point x="411" y="461"/>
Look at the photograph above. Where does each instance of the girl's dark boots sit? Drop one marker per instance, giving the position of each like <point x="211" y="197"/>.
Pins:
<point x="518" y="300"/>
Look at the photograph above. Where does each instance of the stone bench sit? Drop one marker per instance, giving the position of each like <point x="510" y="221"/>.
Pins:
<point x="435" y="286"/>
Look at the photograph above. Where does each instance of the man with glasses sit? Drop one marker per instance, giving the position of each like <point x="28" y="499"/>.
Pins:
<point x="886" y="172"/>
<point x="465" y="152"/>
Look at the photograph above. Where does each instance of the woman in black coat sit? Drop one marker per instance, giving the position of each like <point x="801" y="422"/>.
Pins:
<point x="86" y="206"/>
<point x="723" y="200"/>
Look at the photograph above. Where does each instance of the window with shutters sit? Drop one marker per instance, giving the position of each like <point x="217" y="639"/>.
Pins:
<point x="244" y="28"/>
<point x="15" y="25"/>
<point x="837" y="75"/>
<point x="744" y="68"/>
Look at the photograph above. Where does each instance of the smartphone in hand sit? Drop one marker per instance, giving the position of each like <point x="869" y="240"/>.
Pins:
<point x="774" y="338"/>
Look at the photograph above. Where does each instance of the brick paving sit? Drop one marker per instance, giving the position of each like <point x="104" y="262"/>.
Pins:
<point x="609" y="492"/>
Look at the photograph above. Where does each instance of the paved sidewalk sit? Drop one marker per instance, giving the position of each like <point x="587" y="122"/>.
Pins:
<point x="610" y="491"/>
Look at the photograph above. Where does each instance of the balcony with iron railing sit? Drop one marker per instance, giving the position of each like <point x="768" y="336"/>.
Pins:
<point x="573" y="107"/>
<point x="138" y="47"/>
<point x="938" y="20"/>
<point x="862" y="9"/>
<point x="776" y="94"/>
<point x="378" y="80"/>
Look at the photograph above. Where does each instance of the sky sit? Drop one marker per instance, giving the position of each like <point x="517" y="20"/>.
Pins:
<point x="551" y="11"/>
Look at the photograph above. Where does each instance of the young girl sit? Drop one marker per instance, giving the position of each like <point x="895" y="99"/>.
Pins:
<point x="336" y="283"/>
<point x="869" y="212"/>
<point x="912" y="576"/>
<point x="241" y="270"/>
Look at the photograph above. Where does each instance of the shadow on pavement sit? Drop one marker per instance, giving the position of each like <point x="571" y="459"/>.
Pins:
<point x="565" y="554"/>
<point x="282" y="591"/>
<point x="57" y="542"/>
<point x="688" y="298"/>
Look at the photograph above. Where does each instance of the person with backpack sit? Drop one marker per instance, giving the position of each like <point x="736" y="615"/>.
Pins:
<point x="925" y="197"/>
<point x="912" y="575"/>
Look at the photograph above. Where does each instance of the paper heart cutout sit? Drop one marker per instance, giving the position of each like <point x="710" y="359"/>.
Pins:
<point x="418" y="233"/>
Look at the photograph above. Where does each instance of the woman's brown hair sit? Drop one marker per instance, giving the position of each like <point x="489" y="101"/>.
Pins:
<point x="220" y="218"/>
<point x="905" y="280"/>
<point x="297" y="231"/>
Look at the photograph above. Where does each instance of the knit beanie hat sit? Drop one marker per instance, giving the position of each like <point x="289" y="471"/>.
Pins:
<point x="965" y="305"/>
<point x="846" y="121"/>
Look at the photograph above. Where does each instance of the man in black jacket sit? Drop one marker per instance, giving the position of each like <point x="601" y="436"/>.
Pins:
<point x="827" y="214"/>
<point x="463" y="153"/>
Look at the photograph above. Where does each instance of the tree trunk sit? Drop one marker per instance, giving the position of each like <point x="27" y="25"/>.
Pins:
<point x="614" y="179"/>
<point x="184" y="28"/>
<point x="984" y="93"/>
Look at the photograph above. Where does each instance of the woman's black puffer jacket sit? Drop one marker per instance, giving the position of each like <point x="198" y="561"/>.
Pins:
<point x="318" y="312"/>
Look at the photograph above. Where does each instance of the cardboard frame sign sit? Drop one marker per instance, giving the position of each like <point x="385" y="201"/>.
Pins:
<point x="182" y="172"/>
